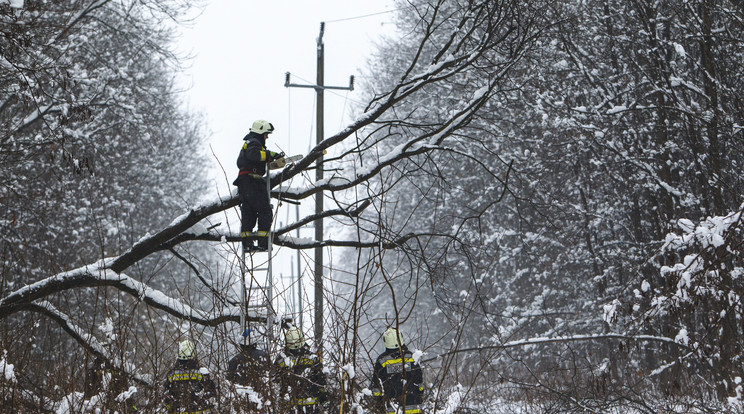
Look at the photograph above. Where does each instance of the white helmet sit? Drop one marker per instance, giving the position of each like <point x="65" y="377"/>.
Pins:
<point x="186" y="350"/>
<point x="294" y="338"/>
<point x="262" y="127"/>
<point x="392" y="338"/>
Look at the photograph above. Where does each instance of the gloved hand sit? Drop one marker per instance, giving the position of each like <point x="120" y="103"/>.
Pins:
<point x="275" y="155"/>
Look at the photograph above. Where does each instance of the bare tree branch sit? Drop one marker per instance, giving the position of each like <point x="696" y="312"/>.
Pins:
<point x="564" y="339"/>
<point x="87" y="341"/>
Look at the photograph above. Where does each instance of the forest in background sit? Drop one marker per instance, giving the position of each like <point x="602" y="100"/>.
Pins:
<point x="544" y="196"/>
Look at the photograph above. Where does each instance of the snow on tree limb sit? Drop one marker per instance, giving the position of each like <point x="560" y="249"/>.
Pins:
<point x="150" y="243"/>
<point x="278" y="233"/>
<point x="97" y="276"/>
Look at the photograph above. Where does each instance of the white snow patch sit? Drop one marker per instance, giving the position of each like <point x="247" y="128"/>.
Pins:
<point x="609" y="311"/>
<point x="616" y="109"/>
<point x="417" y="354"/>
<point x="682" y="337"/>
<point x="300" y="241"/>
<point x="686" y="225"/>
<point x="107" y="327"/>
<point x="126" y="394"/>
<point x="16" y="4"/>
<point x="71" y="403"/>
<point x="250" y="393"/>
<point x="349" y="369"/>
<point x="175" y="221"/>
<point x="7" y="369"/>
<point x="453" y="401"/>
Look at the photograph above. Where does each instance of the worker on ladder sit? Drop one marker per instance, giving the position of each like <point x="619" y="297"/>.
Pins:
<point x="252" y="186"/>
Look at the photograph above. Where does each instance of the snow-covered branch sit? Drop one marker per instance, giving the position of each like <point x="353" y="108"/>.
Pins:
<point x="278" y="233"/>
<point x="564" y="339"/>
<point x="150" y="243"/>
<point x="99" y="276"/>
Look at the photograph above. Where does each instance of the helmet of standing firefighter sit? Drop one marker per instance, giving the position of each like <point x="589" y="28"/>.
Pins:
<point x="294" y="338"/>
<point x="392" y="338"/>
<point x="186" y="350"/>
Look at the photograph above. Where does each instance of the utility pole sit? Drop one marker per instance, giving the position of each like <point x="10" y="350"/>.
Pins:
<point x="319" y="135"/>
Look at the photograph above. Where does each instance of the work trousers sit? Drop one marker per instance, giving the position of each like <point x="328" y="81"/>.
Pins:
<point x="254" y="206"/>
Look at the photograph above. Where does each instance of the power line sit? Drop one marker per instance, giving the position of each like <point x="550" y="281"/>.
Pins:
<point x="346" y="96"/>
<point x="367" y="15"/>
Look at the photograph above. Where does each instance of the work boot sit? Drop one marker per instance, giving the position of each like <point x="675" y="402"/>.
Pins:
<point x="248" y="245"/>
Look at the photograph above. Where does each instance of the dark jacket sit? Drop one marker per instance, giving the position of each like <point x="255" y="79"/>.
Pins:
<point x="301" y="376"/>
<point x="248" y="367"/>
<point x="189" y="388"/>
<point x="109" y="384"/>
<point x="398" y="375"/>
<point x="100" y="377"/>
<point x="253" y="156"/>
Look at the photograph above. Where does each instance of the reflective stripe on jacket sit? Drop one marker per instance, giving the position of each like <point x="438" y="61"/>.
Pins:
<point x="189" y="389"/>
<point x="399" y="377"/>
<point x="253" y="156"/>
<point x="408" y="410"/>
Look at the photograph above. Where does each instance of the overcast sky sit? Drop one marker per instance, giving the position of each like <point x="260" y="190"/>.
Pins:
<point x="243" y="48"/>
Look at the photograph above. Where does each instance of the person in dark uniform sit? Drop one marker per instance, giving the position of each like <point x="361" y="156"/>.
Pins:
<point x="301" y="375"/>
<point x="254" y="196"/>
<point x="101" y="378"/>
<point x="110" y="385"/>
<point x="397" y="379"/>
<point x="251" y="367"/>
<point x="188" y="387"/>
